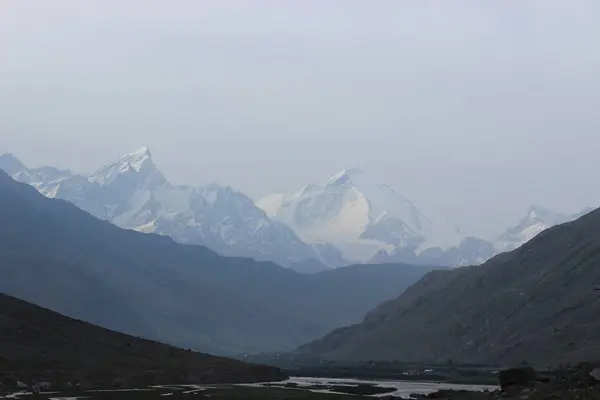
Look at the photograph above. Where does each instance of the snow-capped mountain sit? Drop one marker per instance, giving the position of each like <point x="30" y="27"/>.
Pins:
<point x="470" y="251"/>
<point x="132" y="193"/>
<point x="349" y="217"/>
<point x="473" y="250"/>
<point x="537" y="220"/>
<point x="370" y="221"/>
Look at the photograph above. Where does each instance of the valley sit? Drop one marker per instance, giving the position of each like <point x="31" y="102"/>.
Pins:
<point x="299" y="200"/>
<point x="147" y="285"/>
<point x="367" y="321"/>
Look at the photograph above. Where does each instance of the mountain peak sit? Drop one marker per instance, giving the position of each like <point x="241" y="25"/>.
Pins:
<point x="537" y="220"/>
<point x="137" y="158"/>
<point x="11" y="164"/>
<point x="537" y="212"/>
<point x="344" y="176"/>
<point x="142" y="150"/>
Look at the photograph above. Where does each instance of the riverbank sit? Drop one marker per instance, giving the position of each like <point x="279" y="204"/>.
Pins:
<point x="382" y="388"/>
<point x="294" y="389"/>
<point x="581" y="382"/>
<point x="188" y="392"/>
<point x="467" y="375"/>
<point x="433" y="377"/>
<point x="577" y="383"/>
<point x="448" y="372"/>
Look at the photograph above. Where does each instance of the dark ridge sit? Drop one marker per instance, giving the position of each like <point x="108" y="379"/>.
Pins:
<point x="39" y="344"/>
<point x="535" y="305"/>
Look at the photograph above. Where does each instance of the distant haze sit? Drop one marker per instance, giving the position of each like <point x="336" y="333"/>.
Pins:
<point x="476" y="109"/>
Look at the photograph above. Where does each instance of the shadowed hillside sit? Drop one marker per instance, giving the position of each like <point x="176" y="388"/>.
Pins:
<point x="535" y="304"/>
<point x="36" y="343"/>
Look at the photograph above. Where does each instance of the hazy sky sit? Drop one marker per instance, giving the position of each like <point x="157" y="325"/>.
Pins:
<point x="474" y="108"/>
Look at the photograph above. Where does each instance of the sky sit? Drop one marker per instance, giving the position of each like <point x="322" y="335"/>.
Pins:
<point x="470" y="108"/>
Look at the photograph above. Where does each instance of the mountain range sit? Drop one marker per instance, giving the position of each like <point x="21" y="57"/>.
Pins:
<point x="60" y="257"/>
<point x="371" y="222"/>
<point x="534" y="305"/>
<point x="351" y="218"/>
<point x="132" y="193"/>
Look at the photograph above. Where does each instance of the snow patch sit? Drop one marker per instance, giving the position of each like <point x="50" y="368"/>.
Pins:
<point x="271" y="204"/>
<point x="150" y="227"/>
<point x="211" y="196"/>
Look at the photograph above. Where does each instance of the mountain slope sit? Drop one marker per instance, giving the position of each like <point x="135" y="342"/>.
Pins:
<point x="35" y="342"/>
<point x="535" y="303"/>
<point x="371" y="222"/>
<point x="60" y="257"/>
<point x="132" y="193"/>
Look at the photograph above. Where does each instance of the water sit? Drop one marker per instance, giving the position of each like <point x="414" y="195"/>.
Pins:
<point x="403" y="388"/>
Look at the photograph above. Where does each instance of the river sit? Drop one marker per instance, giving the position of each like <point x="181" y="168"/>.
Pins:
<point x="402" y="388"/>
<point x="317" y="385"/>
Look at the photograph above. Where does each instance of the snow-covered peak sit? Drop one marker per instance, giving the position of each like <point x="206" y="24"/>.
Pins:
<point x="138" y="161"/>
<point x="132" y="193"/>
<point x="540" y="213"/>
<point x="536" y="220"/>
<point x="360" y="215"/>
<point x="214" y="193"/>
<point x="542" y="216"/>
<point x="138" y="158"/>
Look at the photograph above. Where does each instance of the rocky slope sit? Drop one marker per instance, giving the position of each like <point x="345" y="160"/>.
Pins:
<point x="534" y="304"/>
<point x="55" y="255"/>
<point x="132" y="193"/>
<point x="40" y="344"/>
